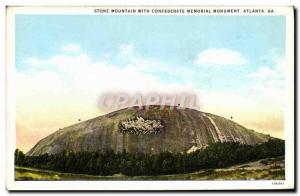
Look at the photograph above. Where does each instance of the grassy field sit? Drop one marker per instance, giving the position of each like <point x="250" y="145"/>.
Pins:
<point x="266" y="169"/>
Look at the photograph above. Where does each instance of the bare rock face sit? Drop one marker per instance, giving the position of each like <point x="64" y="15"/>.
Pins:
<point x="176" y="130"/>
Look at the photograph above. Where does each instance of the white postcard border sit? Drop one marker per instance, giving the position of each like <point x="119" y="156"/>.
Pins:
<point x="144" y="185"/>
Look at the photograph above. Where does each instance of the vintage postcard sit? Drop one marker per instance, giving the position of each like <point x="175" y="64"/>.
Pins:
<point x="150" y="98"/>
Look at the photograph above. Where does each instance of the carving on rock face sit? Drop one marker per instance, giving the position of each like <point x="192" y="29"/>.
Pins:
<point x="140" y="126"/>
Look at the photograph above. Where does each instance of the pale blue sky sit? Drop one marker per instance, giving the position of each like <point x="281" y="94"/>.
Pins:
<point x="172" y="40"/>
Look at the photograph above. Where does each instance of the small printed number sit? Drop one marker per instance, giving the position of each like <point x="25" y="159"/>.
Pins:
<point x="277" y="183"/>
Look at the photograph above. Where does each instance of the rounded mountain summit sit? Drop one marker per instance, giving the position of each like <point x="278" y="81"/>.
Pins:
<point x="151" y="130"/>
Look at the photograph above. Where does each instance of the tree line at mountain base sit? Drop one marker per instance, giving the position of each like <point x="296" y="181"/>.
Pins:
<point x="216" y="155"/>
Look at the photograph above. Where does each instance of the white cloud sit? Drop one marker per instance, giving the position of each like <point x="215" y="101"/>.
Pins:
<point x="69" y="87"/>
<point x="267" y="73"/>
<point x="220" y="56"/>
<point x="33" y="61"/>
<point x="262" y="73"/>
<point x="71" y="48"/>
<point x="150" y="66"/>
<point x="269" y="82"/>
<point x="126" y="49"/>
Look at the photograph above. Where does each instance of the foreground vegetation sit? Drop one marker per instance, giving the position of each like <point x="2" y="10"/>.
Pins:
<point x="266" y="169"/>
<point x="216" y="155"/>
